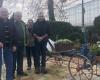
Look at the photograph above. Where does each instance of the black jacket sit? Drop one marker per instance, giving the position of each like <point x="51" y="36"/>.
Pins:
<point x="7" y="33"/>
<point x="41" y="28"/>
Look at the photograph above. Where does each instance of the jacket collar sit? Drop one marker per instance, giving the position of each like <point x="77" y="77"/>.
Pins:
<point x="2" y="20"/>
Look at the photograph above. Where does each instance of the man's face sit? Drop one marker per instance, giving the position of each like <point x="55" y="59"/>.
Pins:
<point x="41" y="17"/>
<point x="3" y="13"/>
<point x="18" y="16"/>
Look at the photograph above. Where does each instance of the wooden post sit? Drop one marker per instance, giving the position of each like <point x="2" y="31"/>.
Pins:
<point x="51" y="10"/>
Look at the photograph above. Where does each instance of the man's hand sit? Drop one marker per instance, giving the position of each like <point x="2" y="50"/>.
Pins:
<point x="14" y="49"/>
<point x="39" y="39"/>
<point x="1" y="45"/>
<point x="42" y="37"/>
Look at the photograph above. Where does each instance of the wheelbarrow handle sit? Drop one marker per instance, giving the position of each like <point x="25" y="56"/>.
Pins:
<point x="3" y="66"/>
<point x="2" y="55"/>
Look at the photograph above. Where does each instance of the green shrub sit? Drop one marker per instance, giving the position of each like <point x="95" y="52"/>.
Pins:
<point x="64" y="41"/>
<point x="95" y="49"/>
<point x="64" y="30"/>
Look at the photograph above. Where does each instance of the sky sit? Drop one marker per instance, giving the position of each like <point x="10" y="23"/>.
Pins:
<point x="71" y="3"/>
<point x="31" y="7"/>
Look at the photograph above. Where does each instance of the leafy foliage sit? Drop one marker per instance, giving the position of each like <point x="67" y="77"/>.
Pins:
<point x="97" y="21"/>
<point x="97" y="24"/>
<point x="64" y="41"/>
<point x="64" y="30"/>
<point x="95" y="49"/>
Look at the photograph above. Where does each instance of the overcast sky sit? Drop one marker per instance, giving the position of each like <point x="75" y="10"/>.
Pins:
<point x="29" y="9"/>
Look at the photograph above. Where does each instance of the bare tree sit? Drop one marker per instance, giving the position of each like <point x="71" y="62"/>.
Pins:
<point x="1" y="3"/>
<point x="51" y="10"/>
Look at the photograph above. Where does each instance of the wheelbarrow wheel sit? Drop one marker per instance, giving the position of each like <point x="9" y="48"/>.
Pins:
<point x="58" y="60"/>
<point x="80" y="68"/>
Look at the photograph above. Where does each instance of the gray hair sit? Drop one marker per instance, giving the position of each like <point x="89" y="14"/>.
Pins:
<point x="17" y="13"/>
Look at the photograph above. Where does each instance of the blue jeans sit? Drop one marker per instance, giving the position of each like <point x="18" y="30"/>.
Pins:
<point x="8" y="59"/>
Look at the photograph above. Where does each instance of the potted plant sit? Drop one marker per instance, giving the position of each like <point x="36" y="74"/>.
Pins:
<point x="95" y="49"/>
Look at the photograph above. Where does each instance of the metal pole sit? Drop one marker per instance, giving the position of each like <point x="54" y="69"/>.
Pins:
<point x="82" y="13"/>
<point x="83" y="27"/>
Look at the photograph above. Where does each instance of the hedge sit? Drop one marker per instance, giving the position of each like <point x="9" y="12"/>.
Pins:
<point x="64" y="30"/>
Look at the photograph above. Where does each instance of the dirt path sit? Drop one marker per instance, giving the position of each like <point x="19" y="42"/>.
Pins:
<point x="54" y="73"/>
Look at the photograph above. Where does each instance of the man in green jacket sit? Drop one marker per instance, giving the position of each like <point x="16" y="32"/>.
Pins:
<point x="20" y="40"/>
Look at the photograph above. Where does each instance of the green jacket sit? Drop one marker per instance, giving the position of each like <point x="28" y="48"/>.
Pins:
<point x="20" y="32"/>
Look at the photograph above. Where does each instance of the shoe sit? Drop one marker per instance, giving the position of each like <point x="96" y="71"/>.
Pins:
<point x="37" y="70"/>
<point x="43" y="70"/>
<point x="13" y="76"/>
<point x="29" y="68"/>
<point x="22" y="74"/>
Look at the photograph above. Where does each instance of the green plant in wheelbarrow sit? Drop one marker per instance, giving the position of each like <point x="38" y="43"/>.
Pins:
<point x="95" y="49"/>
<point x="63" y="45"/>
<point x="64" y="41"/>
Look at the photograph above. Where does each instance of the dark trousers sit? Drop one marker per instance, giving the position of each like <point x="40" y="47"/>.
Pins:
<point x="8" y="59"/>
<point x="18" y="59"/>
<point x="29" y="54"/>
<point x="40" y="55"/>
